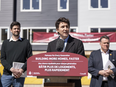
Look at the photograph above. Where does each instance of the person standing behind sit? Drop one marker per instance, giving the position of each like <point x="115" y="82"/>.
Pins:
<point x="15" y="49"/>
<point x="102" y="77"/>
<point x="71" y="44"/>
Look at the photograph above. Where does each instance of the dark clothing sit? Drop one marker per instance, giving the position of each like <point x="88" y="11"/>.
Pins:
<point x="0" y="81"/>
<point x="73" y="46"/>
<point x="15" y="51"/>
<point x="95" y="64"/>
<point x="104" y="84"/>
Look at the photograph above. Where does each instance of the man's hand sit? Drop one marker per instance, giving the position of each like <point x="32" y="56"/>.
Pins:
<point x="16" y="72"/>
<point x="104" y="73"/>
<point x="109" y="71"/>
<point x="21" y="71"/>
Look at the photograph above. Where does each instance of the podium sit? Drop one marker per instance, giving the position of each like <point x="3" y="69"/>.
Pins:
<point x="63" y="69"/>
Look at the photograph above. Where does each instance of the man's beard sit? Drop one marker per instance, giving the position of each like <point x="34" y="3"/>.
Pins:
<point x="16" y="34"/>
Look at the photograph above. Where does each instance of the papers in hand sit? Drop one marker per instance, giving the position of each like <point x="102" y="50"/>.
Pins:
<point x="109" y="65"/>
<point x="18" y="65"/>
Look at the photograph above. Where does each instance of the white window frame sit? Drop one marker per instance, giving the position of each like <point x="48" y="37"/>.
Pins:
<point x="99" y="27"/>
<point x="88" y="46"/>
<point x="31" y="28"/>
<point x="21" y="34"/>
<point x="99" y="7"/>
<point x="31" y="10"/>
<point x="1" y="33"/>
<point x="67" y="9"/>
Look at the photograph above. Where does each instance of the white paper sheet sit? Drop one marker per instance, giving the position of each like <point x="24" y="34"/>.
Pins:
<point x="109" y="65"/>
<point x="18" y="65"/>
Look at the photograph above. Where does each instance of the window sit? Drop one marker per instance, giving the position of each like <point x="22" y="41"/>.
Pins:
<point x="94" y="30"/>
<point x="4" y="34"/>
<point x="30" y="5"/>
<point x="63" y="5"/>
<point x="26" y="33"/>
<point x="30" y="33"/>
<point x="52" y="30"/>
<point x="99" y="4"/>
<point x="72" y="30"/>
<point x="103" y="29"/>
<point x="108" y="29"/>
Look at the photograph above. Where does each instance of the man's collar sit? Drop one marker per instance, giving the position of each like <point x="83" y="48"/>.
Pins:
<point x="11" y="39"/>
<point x="106" y="52"/>
<point x="66" y="39"/>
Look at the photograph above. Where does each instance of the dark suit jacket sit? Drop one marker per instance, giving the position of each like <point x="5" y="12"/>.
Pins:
<point x="73" y="46"/>
<point x="95" y="65"/>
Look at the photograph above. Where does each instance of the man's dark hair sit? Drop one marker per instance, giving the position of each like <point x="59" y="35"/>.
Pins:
<point x="62" y="19"/>
<point x="105" y="36"/>
<point x="14" y="23"/>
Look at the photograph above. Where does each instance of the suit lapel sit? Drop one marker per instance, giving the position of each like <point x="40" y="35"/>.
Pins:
<point x="100" y="55"/>
<point x="70" y="43"/>
<point x="54" y="45"/>
<point x="110" y="55"/>
<point x="100" y="58"/>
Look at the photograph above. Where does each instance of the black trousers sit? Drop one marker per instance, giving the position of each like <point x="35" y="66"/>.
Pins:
<point x="76" y="81"/>
<point x="104" y="84"/>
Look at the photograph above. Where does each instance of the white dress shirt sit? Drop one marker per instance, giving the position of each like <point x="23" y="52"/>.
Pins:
<point x="11" y="39"/>
<point x="105" y="59"/>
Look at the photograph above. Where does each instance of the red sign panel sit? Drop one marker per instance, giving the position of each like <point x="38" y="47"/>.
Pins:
<point x="57" y="64"/>
<point x="39" y="37"/>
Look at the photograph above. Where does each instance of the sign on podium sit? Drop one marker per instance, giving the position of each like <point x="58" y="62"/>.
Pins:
<point x="59" y="68"/>
<point x="57" y="64"/>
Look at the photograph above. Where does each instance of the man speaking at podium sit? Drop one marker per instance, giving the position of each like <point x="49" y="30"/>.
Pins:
<point x="66" y="43"/>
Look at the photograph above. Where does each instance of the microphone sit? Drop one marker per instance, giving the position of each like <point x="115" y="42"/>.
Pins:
<point x="59" y="45"/>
